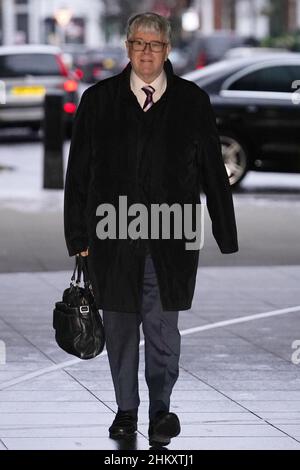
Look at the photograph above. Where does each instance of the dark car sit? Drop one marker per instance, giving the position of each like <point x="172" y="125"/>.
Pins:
<point x="27" y="73"/>
<point x="94" y="64"/>
<point x="256" y="101"/>
<point x="205" y="49"/>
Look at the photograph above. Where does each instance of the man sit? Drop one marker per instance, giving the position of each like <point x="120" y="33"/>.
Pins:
<point x="150" y="136"/>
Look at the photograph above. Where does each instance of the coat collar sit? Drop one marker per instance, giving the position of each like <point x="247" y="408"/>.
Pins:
<point x="125" y="80"/>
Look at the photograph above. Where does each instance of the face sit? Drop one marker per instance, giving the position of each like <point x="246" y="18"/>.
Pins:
<point x="147" y="64"/>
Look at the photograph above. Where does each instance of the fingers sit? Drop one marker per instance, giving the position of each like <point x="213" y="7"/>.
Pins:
<point x="84" y="253"/>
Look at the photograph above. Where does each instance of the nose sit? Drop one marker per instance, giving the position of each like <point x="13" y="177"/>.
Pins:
<point x="147" y="48"/>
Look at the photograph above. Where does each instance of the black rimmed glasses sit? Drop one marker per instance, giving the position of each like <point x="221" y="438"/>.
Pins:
<point x="139" y="45"/>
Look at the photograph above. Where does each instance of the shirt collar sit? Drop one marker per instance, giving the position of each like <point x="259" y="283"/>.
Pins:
<point x="126" y="91"/>
<point x="137" y="83"/>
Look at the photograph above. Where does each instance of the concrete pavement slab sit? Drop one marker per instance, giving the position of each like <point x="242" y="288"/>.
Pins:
<point x="71" y="443"/>
<point x="281" y="417"/>
<point x="47" y="396"/>
<point x="76" y="429"/>
<point x="54" y="407"/>
<point x="2" y="446"/>
<point x="234" y="443"/>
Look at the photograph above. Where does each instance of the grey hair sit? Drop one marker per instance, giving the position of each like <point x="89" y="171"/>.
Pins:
<point x="149" y="22"/>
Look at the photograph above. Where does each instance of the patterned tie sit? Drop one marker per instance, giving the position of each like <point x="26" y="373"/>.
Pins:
<point x="149" y="90"/>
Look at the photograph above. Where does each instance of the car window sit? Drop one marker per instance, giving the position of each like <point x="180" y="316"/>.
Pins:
<point x="220" y="44"/>
<point x="275" y="78"/>
<point x="18" y="65"/>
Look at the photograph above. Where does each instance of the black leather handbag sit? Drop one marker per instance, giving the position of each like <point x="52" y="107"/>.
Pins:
<point x="77" y="322"/>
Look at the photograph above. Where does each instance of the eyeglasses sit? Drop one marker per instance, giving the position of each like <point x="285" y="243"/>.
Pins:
<point x="140" y="45"/>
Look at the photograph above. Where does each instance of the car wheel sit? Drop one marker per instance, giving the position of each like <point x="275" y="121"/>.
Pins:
<point x="235" y="158"/>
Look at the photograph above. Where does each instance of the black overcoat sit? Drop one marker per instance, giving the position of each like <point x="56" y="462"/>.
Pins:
<point x="107" y="155"/>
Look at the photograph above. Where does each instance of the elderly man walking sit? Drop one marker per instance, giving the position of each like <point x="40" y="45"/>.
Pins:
<point x="150" y="136"/>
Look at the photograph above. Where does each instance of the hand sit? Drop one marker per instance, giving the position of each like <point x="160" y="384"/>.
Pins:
<point x="84" y="253"/>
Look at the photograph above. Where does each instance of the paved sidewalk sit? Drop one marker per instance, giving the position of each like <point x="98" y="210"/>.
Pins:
<point x="238" y="388"/>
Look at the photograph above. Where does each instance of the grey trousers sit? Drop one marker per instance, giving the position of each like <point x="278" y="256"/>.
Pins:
<point x="162" y="348"/>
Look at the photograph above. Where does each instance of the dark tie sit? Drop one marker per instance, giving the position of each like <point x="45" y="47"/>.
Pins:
<point x="149" y="90"/>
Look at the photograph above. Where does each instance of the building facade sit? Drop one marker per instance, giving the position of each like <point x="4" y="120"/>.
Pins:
<point x="94" y="22"/>
<point x="45" y="21"/>
<point x="258" y="18"/>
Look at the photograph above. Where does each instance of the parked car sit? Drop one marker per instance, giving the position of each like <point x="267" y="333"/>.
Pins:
<point x="244" y="51"/>
<point x="257" y="106"/>
<point x="205" y="49"/>
<point x="27" y="73"/>
<point x="179" y="60"/>
<point x="76" y="57"/>
<point x="94" y="64"/>
<point x="104" y="62"/>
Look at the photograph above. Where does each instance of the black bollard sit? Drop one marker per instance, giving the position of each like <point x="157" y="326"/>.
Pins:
<point x="53" y="140"/>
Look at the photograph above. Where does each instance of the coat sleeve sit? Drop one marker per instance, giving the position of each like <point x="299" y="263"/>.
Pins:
<point x="77" y="180"/>
<point x="215" y="183"/>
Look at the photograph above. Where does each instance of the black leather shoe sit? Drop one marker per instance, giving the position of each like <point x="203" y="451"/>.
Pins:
<point x="164" y="426"/>
<point x="124" y="425"/>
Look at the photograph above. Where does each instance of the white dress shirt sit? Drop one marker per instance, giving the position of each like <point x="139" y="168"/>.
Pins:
<point x="136" y="85"/>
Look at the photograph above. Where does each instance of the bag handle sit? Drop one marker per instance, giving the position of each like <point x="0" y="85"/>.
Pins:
<point x="84" y="268"/>
<point x="74" y="272"/>
<point x="80" y="267"/>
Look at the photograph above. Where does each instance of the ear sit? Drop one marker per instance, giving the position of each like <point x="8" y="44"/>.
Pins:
<point x="168" y="50"/>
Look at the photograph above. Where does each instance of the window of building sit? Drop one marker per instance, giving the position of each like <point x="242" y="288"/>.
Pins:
<point x="73" y="33"/>
<point x="22" y="22"/>
<point x="22" y="28"/>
